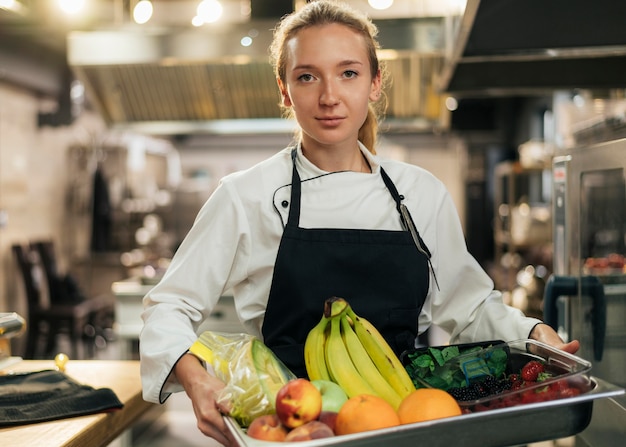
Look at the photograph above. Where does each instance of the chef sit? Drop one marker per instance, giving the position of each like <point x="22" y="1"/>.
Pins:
<point x="324" y="217"/>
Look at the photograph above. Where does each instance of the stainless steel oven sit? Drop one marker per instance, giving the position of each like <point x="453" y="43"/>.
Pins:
<point x="585" y="299"/>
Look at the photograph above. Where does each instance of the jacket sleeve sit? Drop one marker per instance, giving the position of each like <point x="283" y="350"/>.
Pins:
<point x="200" y="271"/>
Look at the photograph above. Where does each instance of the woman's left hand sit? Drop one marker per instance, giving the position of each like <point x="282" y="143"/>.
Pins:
<point x="545" y="334"/>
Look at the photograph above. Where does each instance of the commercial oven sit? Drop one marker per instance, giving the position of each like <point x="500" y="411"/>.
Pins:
<point x="585" y="298"/>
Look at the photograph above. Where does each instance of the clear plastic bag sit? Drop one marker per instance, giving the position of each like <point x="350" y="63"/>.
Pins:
<point x="252" y="372"/>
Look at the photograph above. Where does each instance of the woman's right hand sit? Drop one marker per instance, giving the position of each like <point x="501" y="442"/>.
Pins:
<point x="202" y="388"/>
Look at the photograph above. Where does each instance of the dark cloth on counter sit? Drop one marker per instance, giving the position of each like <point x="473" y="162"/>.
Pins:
<point x="40" y="396"/>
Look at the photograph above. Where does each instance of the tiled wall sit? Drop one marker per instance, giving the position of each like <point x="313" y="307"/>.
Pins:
<point x="33" y="180"/>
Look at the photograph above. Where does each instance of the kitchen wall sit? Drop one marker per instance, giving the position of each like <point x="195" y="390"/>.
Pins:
<point x="32" y="179"/>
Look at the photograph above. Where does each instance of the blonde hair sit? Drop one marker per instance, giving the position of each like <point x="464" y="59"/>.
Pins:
<point x="325" y="12"/>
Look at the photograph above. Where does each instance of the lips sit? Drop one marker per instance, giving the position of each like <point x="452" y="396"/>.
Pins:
<point x="330" y="120"/>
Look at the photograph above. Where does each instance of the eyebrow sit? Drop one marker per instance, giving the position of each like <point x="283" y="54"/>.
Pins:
<point x="344" y="63"/>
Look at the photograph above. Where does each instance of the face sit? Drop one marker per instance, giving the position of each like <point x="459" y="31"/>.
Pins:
<point x="328" y="84"/>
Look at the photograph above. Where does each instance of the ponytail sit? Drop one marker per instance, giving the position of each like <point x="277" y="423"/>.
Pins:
<point x="369" y="131"/>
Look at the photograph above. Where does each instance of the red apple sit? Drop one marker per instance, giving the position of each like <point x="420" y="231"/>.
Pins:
<point x="329" y="418"/>
<point x="308" y="431"/>
<point x="267" y="428"/>
<point x="298" y="402"/>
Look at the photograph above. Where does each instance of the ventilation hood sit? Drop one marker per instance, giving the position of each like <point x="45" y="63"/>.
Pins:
<point x="182" y="81"/>
<point x="506" y="47"/>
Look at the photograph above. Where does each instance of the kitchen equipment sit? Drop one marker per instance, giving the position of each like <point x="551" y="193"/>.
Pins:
<point x="11" y="325"/>
<point x="585" y="299"/>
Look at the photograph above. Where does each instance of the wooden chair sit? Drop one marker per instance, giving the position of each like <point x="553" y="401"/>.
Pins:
<point x="49" y="319"/>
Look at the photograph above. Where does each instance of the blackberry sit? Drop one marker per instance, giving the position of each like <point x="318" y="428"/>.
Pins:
<point x="495" y="386"/>
<point x="490" y="383"/>
<point x="464" y="393"/>
<point x="482" y="390"/>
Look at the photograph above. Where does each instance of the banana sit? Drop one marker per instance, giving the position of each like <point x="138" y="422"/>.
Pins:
<point x="365" y="366"/>
<point x="342" y="370"/>
<point x="382" y="355"/>
<point x="314" y="357"/>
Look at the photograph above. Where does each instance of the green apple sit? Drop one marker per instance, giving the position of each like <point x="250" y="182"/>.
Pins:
<point x="333" y="396"/>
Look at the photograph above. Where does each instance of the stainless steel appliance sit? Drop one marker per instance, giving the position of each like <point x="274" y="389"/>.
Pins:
<point x="585" y="299"/>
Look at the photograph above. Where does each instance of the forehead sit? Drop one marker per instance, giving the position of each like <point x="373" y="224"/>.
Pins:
<point x="331" y="40"/>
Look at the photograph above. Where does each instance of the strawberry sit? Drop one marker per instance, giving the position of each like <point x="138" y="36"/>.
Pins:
<point x="516" y="381"/>
<point x="569" y="392"/>
<point x="529" y="396"/>
<point x="563" y="389"/>
<point x="559" y="386"/>
<point x="514" y="378"/>
<point x="531" y="370"/>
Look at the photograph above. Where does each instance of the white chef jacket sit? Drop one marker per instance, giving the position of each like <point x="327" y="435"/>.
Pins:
<point x="234" y="241"/>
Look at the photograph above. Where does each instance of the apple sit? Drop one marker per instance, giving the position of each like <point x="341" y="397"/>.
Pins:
<point x="308" y="431"/>
<point x="333" y="396"/>
<point x="298" y="402"/>
<point x="267" y="427"/>
<point x="329" y="418"/>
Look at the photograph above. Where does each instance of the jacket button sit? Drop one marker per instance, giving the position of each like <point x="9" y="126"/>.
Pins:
<point x="284" y="203"/>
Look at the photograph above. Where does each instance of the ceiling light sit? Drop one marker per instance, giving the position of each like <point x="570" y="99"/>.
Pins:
<point x="380" y="4"/>
<point x="142" y="11"/>
<point x="209" y="11"/>
<point x="11" y="5"/>
<point x="71" y="6"/>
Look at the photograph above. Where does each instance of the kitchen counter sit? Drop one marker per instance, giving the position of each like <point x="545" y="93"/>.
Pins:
<point x="129" y="294"/>
<point x="94" y="430"/>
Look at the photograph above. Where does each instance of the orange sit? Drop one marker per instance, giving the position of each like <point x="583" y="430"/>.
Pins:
<point x="363" y="413"/>
<point x="425" y="404"/>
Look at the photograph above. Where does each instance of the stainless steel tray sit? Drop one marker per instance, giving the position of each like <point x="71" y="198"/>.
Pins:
<point x="495" y="428"/>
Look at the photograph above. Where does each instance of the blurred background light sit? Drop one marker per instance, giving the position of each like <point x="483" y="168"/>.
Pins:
<point x="210" y="11"/>
<point x="380" y="4"/>
<point x="142" y="12"/>
<point x="71" y="6"/>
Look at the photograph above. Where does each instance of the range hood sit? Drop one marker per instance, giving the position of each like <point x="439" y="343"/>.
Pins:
<point x="509" y="47"/>
<point x="183" y="81"/>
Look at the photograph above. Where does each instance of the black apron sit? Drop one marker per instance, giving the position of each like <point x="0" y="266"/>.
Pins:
<point x="381" y="273"/>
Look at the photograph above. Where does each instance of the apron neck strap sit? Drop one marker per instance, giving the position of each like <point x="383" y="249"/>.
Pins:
<point x="294" y="208"/>
<point x="392" y="189"/>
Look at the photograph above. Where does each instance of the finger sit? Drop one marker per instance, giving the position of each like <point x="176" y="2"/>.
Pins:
<point x="223" y="437"/>
<point x="224" y="407"/>
<point x="572" y="347"/>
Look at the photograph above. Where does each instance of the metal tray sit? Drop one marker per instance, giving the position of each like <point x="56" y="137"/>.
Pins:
<point x="521" y="424"/>
<point x="566" y="368"/>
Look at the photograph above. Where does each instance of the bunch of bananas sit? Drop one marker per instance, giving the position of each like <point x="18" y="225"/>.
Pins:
<point x="349" y="350"/>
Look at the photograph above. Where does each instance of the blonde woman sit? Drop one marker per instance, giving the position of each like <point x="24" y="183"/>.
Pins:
<point x="324" y="217"/>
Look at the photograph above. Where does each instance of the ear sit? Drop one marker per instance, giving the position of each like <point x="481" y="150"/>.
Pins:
<point x="376" y="87"/>
<point x="283" y="93"/>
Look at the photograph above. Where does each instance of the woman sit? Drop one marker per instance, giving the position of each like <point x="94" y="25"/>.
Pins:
<point x="326" y="217"/>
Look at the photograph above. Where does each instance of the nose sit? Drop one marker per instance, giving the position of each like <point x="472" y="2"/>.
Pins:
<point x="329" y="96"/>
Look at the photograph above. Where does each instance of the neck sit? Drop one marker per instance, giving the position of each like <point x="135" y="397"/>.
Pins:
<point x="336" y="161"/>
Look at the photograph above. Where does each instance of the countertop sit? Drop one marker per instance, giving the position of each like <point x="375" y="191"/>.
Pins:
<point x="84" y="431"/>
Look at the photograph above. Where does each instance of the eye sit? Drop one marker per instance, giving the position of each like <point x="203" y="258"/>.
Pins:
<point x="306" y="77"/>
<point x="350" y="74"/>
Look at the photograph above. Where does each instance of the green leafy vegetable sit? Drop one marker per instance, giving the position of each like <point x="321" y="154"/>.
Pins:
<point x="451" y="366"/>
